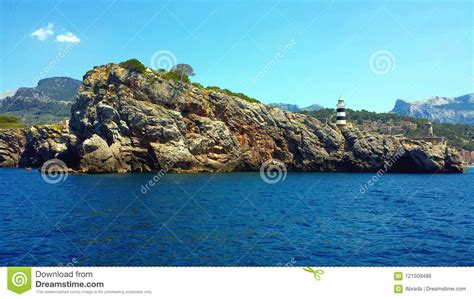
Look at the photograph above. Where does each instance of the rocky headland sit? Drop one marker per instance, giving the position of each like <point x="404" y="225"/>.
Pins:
<point x="124" y="120"/>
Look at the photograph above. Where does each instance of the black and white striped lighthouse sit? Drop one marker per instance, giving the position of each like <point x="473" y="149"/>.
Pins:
<point x="341" y="113"/>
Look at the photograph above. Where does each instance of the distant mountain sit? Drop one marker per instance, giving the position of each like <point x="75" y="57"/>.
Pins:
<point x="48" y="102"/>
<point x="7" y="93"/>
<point x="314" y="107"/>
<point x="59" y="88"/>
<point x="286" y="107"/>
<point x="458" y="110"/>
<point x="295" y="108"/>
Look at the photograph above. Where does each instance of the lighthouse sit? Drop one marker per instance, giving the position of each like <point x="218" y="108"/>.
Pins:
<point x="341" y="113"/>
<point x="429" y="130"/>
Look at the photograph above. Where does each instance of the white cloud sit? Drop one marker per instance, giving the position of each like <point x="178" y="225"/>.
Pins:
<point x="44" y="32"/>
<point x="68" y="38"/>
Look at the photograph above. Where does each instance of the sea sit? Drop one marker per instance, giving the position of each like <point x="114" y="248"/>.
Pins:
<point x="236" y="219"/>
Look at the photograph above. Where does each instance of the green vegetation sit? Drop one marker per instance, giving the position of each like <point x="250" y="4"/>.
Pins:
<point x="133" y="65"/>
<point x="458" y="136"/>
<point x="233" y="94"/>
<point x="9" y="121"/>
<point x="180" y="77"/>
<point x="198" y="85"/>
<point x="176" y="76"/>
<point x="184" y="69"/>
<point x="59" y="88"/>
<point x="56" y="126"/>
<point x="31" y="111"/>
<point x="361" y="116"/>
<point x="181" y="73"/>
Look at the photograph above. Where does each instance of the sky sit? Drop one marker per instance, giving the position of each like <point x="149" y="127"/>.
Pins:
<point x="297" y="52"/>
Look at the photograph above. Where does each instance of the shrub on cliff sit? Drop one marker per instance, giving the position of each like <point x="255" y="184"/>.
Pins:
<point x="176" y="76"/>
<point x="233" y="94"/>
<point x="184" y="69"/>
<point x="198" y="85"/>
<point x="9" y="121"/>
<point x="179" y="73"/>
<point x="133" y="65"/>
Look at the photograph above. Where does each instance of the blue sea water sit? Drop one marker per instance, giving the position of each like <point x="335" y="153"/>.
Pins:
<point x="236" y="219"/>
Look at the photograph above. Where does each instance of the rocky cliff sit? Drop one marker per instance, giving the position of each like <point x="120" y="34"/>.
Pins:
<point x="12" y="143"/>
<point x="129" y="121"/>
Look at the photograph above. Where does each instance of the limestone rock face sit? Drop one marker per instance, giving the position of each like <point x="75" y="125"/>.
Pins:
<point x="97" y="156"/>
<point x="124" y="121"/>
<point x="48" y="142"/>
<point x="458" y="110"/>
<point x="12" y="142"/>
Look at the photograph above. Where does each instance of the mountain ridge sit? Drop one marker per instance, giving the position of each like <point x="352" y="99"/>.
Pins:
<point x="295" y="107"/>
<point x="439" y="109"/>
<point x="48" y="102"/>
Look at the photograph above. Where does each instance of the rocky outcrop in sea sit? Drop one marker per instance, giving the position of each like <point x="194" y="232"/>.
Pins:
<point x="127" y="121"/>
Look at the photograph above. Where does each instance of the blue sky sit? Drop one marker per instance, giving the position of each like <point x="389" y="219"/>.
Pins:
<point x="300" y="52"/>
